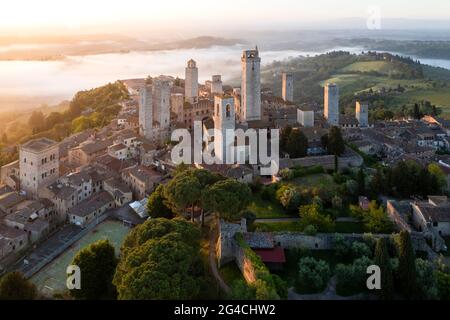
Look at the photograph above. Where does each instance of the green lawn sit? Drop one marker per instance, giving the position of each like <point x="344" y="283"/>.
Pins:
<point x="349" y="227"/>
<point x="439" y="97"/>
<point x="289" y="226"/>
<point x="321" y="180"/>
<point x="383" y="67"/>
<point x="265" y="209"/>
<point x="230" y="273"/>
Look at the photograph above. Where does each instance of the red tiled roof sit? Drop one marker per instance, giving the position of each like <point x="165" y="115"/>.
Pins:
<point x="275" y="255"/>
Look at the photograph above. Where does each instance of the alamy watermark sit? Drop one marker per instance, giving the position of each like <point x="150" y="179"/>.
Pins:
<point x="228" y="146"/>
<point x="374" y="280"/>
<point x="73" y="281"/>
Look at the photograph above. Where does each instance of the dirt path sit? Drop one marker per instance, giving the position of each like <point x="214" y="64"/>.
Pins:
<point x="213" y="260"/>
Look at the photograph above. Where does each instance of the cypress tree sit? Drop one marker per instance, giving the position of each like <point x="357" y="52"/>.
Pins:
<point x="407" y="273"/>
<point x="387" y="278"/>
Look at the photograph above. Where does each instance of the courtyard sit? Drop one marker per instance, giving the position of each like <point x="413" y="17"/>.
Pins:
<point x="52" y="278"/>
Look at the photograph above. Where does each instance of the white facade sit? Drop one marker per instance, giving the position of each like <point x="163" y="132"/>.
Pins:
<point x="287" y="86"/>
<point x="251" y="86"/>
<point x="305" y="118"/>
<point x="362" y="113"/>
<point x="39" y="165"/>
<point x="331" y="104"/>
<point x="216" y="84"/>
<point x="191" y="82"/>
<point x="224" y="120"/>
<point x="145" y="110"/>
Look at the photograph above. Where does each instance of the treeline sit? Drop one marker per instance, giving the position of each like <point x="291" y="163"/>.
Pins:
<point x="93" y="108"/>
<point x="406" y="179"/>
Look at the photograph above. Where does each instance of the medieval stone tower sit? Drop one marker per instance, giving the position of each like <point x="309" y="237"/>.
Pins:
<point x="161" y="103"/>
<point x="331" y="104"/>
<point x="191" y="82"/>
<point x="154" y="110"/>
<point x="216" y="84"/>
<point x="224" y="122"/>
<point x="287" y="86"/>
<point x="145" y="110"/>
<point x="362" y="113"/>
<point x="251" y="86"/>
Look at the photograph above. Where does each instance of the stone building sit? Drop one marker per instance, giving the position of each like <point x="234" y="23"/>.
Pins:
<point x="10" y="175"/>
<point x="331" y="104"/>
<point x="145" y="109"/>
<point x="39" y="165"/>
<point x="11" y="240"/>
<point x="91" y="209"/>
<point x="251" y="86"/>
<point x="85" y="153"/>
<point x="216" y="84"/>
<point x="432" y="215"/>
<point x="141" y="180"/>
<point x="305" y="118"/>
<point x="287" y="90"/>
<point x="154" y="110"/>
<point x="224" y="120"/>
<point x="197" y="112"/>
<point x="177" y="104"/>
<point x="191" y="82"/>
<point x="362" y="113"/>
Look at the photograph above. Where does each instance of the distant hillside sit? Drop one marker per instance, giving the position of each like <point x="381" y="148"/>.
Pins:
<point x="60" y="47"/>
<point x="417" y="48"/>
<point x="388" y="81"/>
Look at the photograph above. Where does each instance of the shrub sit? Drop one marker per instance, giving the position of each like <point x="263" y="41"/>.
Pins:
<point x="310" y="230"/>
<point x="313" y="275"/>
<point x="360" y="249"/>
<point x="351" y="279"/>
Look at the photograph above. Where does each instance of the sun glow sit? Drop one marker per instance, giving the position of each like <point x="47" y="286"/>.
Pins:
<point x="57" y="15"/>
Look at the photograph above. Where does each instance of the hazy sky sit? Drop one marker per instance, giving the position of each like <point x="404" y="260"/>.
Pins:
<point x="83" y="15"/>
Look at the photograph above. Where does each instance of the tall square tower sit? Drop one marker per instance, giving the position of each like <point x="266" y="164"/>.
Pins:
<point x="362" y="113"/>
<point x="39" y="165"/>
<point x="191" y="82"/>
<point x="145" y="110"/>
<point x="287" y="86"/>
<point x="161" y="103"/>
<point x="251" y="86"/>
<point x="224" y="122"/>
<point x="216" y="84"/>
<point x="331" y="104"/>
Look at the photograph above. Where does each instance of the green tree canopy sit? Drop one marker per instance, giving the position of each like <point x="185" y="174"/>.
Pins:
<point x="228" y="198"/>
<point x="334" y="141"/>
<point x="14" y="286"/>
<point x="313" y="275"/>
<point x="97" y="264"/>
<point x="160" y="259"/>
<point x="310" y="215"/>
<point x="155" y="204"/>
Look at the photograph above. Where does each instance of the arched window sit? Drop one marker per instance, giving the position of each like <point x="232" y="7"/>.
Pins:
<point x="228" y="111"/>
<point x="217" y="109"/>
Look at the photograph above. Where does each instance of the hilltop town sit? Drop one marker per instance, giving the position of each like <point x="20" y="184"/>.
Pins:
<point x="345" y="185"/>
